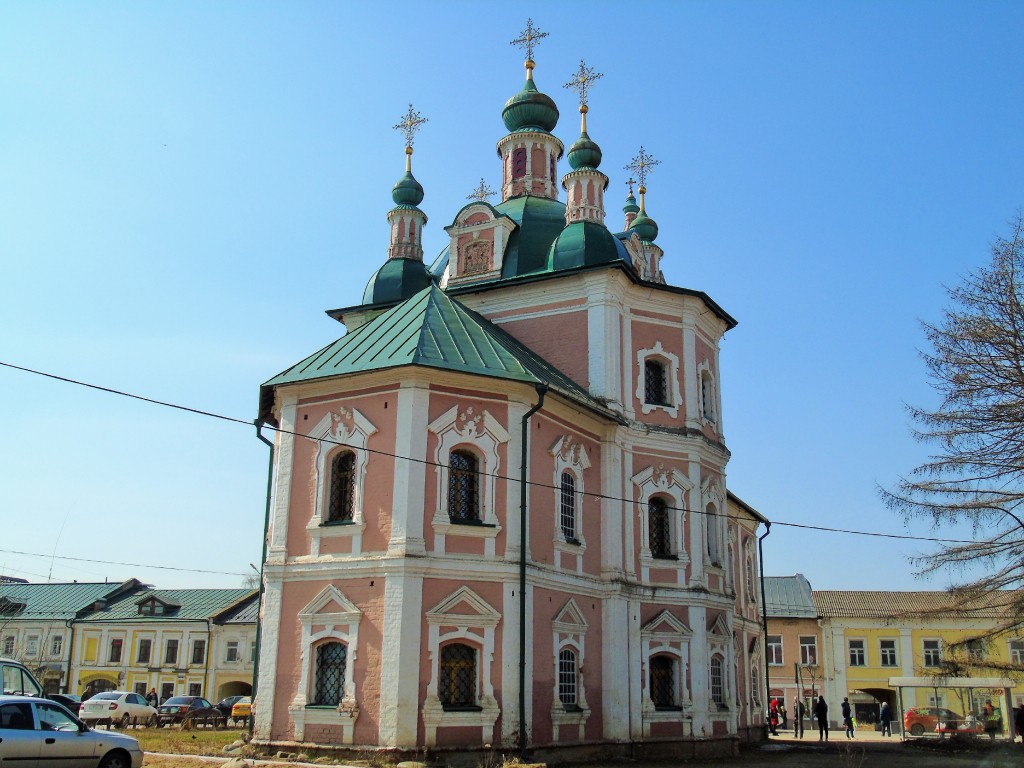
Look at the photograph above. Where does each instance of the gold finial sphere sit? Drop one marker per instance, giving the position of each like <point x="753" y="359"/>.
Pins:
<point x="584" y="109"/>
<point x="530" y="64"/>
<point x="642" y="190"/>
<point x="408" y="150"/>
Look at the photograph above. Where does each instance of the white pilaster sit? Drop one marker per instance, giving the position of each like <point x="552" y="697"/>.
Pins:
<point x="700" y="685"/>
<point x="407" y="511"/>
<point x="616" y="685"/>
<point x="690" y="383"/>
<point x="270" y="620"/>
<point x="400" y="650"/>
<point x="283" y="468"/>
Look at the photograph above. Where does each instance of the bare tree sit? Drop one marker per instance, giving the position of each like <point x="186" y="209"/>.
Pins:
<point x="976" y="474"/>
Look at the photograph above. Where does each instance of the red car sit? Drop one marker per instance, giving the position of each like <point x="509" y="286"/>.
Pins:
<point x="918" y="721"/>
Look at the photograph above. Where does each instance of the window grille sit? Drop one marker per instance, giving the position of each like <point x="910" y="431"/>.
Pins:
<point x="567" y="677"/>
<point x="568" y="507"/>
<point x="659" y="532"/>
<point x="463" y="488"/>
<point x="707" y="396"/>
<point x="717" y="689"/>
<point x="342" y="495"/>
<point x="329" y="684"/>
<point x="458" y="676"/>
<point x="655" y="386"/>
<point x="518" y="163"/>
<point x="662" y="681"/>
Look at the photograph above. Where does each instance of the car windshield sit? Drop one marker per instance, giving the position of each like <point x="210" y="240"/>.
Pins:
<point x="179" y="700"/>
<point x="106" y="696"/>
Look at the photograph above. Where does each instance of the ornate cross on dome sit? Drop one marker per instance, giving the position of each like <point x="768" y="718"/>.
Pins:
<point x="641" y="165"/>
<point x="630" y="182"/>
<point x="528" y="39"/>
<point x="481" y="193"/>
<point x="582" y="80"/>
<point x="409" y="125"/>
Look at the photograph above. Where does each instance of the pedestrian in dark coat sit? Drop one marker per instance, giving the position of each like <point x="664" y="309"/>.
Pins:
<point x="821" y="712"/>
<point x="847" y="718"/>
<point x="1018" y="721"/>
<point x="798" y="718"/>
<point x="885" y="718"/>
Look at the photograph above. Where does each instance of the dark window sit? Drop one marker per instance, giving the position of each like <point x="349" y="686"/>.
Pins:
<point x="115" y="650"/>
<point x="458" y="676"/>
<point x="343" y="486"/>
<point x="171" y="652"/>
<point x="663" y="681"/>
<point x="145" y="647"/>
<point x="518" y="163"/>
<point x="717" y="688"/>
<point x="463" y="488"/>
<point x="198" y="654"/>
<point x="166" y="691"/>
<point x="659" y="532"/>
<point x="552" y="158"/>
<point x="330" y="674"/>
<point x="567" y="677"/>
<point x="195" y="689"/>
<point x="655" y="385"/>
<point x="568" y="507"/>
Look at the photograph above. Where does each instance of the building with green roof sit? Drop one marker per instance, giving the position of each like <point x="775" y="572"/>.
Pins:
<point x="513" y="461"/>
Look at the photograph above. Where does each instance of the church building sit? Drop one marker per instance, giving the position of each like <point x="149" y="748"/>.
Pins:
<point x="499" y="514"/>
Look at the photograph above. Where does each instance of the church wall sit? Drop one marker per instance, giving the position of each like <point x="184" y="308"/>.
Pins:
<point x="560" y="338"/>
<point x="667" y="341"/>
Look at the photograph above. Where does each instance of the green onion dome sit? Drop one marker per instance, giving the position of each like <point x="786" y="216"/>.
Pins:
<point x="631" y="206"/>
<point x="530" y="109"/>
<point x="396" y="281"/>
<point x="584" y="244"/>
<point x="407" y="191"/>
<point x="584" y="153"/>
<point x="645" y="227"/>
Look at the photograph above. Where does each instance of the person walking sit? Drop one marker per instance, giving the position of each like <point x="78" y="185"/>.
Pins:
<point x="88" y="693"/>
<point x="798" y="718"/>
<point x="773" y="717"/>
<point x="821" y="712"/>
<point x="847" y="718"/>
<point x="885" y="718"/>
<point x="152" y="698"/>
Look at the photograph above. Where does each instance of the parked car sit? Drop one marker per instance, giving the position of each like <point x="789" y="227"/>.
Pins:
<point x="242" y="709"/>
<point x="70" y="700"/>
<point x="121" y="708"/>
<point x="920" y="720"/>
<point x="42" y="732"/>
<point x="18" y="680"/>
<point x="225" y="705"/>
<point x="189" y="709"/>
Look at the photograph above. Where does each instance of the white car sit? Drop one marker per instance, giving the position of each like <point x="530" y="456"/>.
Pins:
<point x="119" y="707"/>
<point x="42" y="732"/>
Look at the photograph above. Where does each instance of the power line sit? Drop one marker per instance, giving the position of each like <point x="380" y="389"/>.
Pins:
<point x="497" y="476"/>
<point x="128" y="565"/>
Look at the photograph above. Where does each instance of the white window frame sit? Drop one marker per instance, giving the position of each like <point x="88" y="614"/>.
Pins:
<point x="1016" y="650"/>
<point x="569" y="630"/>
<point x="672" y="483"/>
<point x="666" y="635"/>
<point x="56" y="645"/>
<point x="927" y="652"/>
<point x="330" y="616"/>
<point x="9" y="644"/>
<point x="857" y="646"/>
<point x="569" y="456"/>
<point x="448" y="622"/>
<point x="771" y="647"/>
<point x="706" y="375"/>
<point x="720" y="643"/>
<point x="884" y="652"/>
<point x="229" y="657"/>
<point x="672" y="391"/>
<point x="483" y="435"/>
<point x="813" y="645"/>
<point x="353" y="431"/>
<point x="712" y="522"/>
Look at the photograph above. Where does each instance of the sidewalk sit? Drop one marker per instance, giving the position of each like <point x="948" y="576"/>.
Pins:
<point x="868" y="733"/>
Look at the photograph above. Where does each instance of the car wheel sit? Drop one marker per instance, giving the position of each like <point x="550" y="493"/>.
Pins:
<point x="125" y="720"/>
<point x="917" y="729"/>
<point x="152" y="722"/>
<point x="115" y="759"/>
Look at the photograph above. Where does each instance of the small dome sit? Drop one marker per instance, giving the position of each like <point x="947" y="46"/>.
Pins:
<point x="584" y="244"/>
<point x="584" y="153"/>
<point x="645" y="227"/>
<point x="530" y="109"/>
<point x="407" y="190"/>
<point x="396" y="281"/>
<point x="631" y="206"/>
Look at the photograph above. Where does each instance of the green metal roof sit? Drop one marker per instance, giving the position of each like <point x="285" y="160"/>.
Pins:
<point x="585" y="243"/>
<point x="194" y="605"/>
<point x="58" y="601"/>
<point x="430" y="329"/>
<point x="396" y="281"/>
<point x="540" y="221"/>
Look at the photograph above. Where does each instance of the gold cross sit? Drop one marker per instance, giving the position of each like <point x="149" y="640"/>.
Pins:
<point x="481" y="193"/>
<point x="409" y="125"/>
<point x="528" y="38"/>
<point x="641" y="165"/>
<point x="582" y="80"/>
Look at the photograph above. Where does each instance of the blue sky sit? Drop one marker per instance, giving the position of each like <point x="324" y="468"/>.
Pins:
<point x="185" y="187"/>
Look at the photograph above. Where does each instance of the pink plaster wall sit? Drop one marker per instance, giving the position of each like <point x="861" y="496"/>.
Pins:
<point x="645" y="336"/>
<point x="560" y="339"/>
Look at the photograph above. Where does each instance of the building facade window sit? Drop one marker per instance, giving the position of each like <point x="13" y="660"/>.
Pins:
<point x="32" y="645"/>
<point x="457" y="689"/>
<point x="463" y="487"/>
<point x="171" y="652"/>
<point x="658" y="380"/>
<point x="329" y="674"/>
<point x="195" y="689"/>
<point x="1017" y="651"/>
<point x="231" y="651"/>
<point x="655" y="383"/>
<point x="8" y="645"/>
<point x="56" y="645"/>
<point x="887" y="653"/>
<point x="663" y="682"/>
<point x="774" y="650"/>
<point x="808" y="650"/>
<point x="198" y="651"/>
<point x="713" y="535"/>
<point x="659" y="528"/>
<point x="567" y="506"/>
<point x="707" y="396"/>
<point x="717" y="682"/>
<point x="145" y="648"/>
<point x="975" y="649"/>
<point x="932" y="653"/>
<point x="567" y="678"/>
<point x="116" y="645"/>
<point x="518" y="163"/>
<point x="857" y="655"/>
<point x="252" y="652"/>
<point x="342" y="493"/>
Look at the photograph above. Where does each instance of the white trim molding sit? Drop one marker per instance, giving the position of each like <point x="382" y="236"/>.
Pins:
<point x="569" y="630"/>
<point x="666" y="635"/>
<point x="570" y="456"/>
<point x="662" y="481"/>
<point x="671" y="363"/>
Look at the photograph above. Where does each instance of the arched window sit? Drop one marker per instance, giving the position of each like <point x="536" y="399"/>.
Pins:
<point x="329" y="678"/>
<point x="457" y="687"/>
<point x="518" y="163"/>
<point x="749" y="568"/>
<point x="567" y="685"/>
<point x="755" y="685"/>
<point x="707" y="395"/>
<point x="711" y="521"/>
<point x="655" y="383"/>
<point x="552" y="165"/>
<point x="717" y="683"/>
<point x="343" y="488"/>
<point x="463" y="487"/>
<point x="659" y="528"/>
<point x="567" y="507"/>
<point x="663" y="681"/>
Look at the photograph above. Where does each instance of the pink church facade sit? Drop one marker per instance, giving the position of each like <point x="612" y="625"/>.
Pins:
<point x="396" y="555"/>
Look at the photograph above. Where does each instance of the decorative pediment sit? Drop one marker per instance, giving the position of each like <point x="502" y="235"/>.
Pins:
<point x="469" y="424"/>
<point x="570" y="619"/>
<point x="711" y="491"/>
<point x="720" y="628"/>
<point x="464" y="607"/>
<point x="571" y="451"/>
<point x="665" y="626"/>
<point x="330" y="606"/>
<point x="661" y="478"/>
<point x="341" y="425"/>
<point x="479" y="236"/>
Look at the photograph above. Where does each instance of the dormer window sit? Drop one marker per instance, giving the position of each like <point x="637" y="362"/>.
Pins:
<point x="155" y="607"/>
